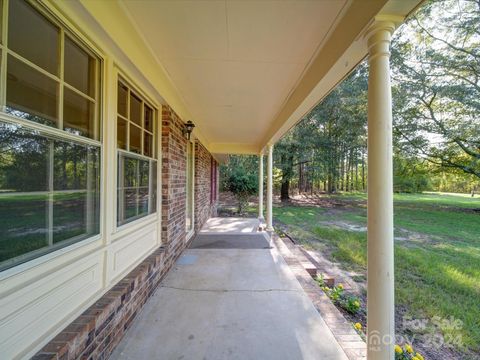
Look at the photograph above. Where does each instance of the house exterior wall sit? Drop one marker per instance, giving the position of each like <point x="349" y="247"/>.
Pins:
<point x="205" y="169"/>
<point x="96" y="332"/>
<point x="88" y="293"/>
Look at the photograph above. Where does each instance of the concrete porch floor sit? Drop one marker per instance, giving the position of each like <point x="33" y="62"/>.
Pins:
<point x="229" y="296"/>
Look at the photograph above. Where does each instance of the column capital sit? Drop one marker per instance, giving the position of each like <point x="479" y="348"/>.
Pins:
<point x="378" y="34"/>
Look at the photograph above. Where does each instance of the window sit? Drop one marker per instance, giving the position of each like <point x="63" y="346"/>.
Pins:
<point x="50" y="144"/>
<point x="137" y="164"/>
<point x="51" y="78"/>
<point x="189" y="187"/>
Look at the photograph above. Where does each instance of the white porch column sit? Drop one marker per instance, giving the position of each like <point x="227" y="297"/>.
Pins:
<point x="260" y="186"/>
<point x="269" y="187"/>
<point x="380" y="273"/>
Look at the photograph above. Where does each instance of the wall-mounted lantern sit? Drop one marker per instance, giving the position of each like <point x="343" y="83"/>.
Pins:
<point x="188" y="128"/>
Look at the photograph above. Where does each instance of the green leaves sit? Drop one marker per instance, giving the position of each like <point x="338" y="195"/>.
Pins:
<point x="436" y="85"/>
<point x="242" y="185"/>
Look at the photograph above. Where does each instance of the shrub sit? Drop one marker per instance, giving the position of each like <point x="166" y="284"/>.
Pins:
<point x="350" y="304"/>
<point x="242" y="185"/>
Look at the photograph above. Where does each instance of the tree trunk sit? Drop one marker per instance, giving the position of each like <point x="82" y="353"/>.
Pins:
<point x="356" y="170"/>
<point x="342" y="170"/>
<point x="363" y="171"/>
<point x="347" y="181"/>
<point x="301" y="179"/>
<point x="287" y="170"/>
<point x="284" y="190"/>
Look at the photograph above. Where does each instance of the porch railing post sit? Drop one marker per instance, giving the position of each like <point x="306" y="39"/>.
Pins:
<point x="260" y="186"/>
<point x="269" y="187"/>
<point x="380" y="273"/>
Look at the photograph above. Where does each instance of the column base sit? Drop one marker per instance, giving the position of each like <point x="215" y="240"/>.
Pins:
<point x="270" y="228"/>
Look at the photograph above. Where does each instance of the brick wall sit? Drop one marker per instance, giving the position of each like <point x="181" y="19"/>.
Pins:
<point x="204" y="207"/>
<point x="174" y="164"/>
<point x="96" y="332"/>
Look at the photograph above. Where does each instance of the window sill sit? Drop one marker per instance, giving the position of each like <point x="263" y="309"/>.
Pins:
<point x="133" y="226"/>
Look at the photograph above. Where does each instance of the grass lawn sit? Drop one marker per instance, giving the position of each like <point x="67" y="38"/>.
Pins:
<point x="437" y="252"/>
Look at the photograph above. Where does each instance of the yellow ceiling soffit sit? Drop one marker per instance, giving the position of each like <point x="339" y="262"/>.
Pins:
<point x="113" y="19"/>
<point x="232" y="148"/>
<point x="345" y="33"/>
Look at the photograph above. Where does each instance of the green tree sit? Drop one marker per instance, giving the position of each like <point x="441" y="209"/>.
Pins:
<point x="242" y="185"/>
<point x="436" y="79"/>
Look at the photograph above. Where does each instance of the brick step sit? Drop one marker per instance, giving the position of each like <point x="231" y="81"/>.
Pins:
<point x="306" y="261"/>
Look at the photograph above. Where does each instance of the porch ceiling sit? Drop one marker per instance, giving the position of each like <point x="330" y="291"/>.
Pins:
<point x="245" y="69"/>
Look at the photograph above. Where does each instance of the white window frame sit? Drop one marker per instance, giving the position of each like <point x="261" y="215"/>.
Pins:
<point x="153" y="161"/>
<point x="62" y="84"/>
<point x="66" y="28"/>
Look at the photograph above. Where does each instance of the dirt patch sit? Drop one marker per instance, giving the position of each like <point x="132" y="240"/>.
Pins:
<point x="317" y="200"/>
<point x="345" y="226"/>
<point x="415" y="238"/>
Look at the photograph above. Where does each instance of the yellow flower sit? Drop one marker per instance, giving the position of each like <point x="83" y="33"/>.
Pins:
<point x="340" y="286"/>
<point x="356" y="303"/>
<point x="398" y="349"/>
<point x="408" y="348"/>
<point x="419" y="356"/>
<point x="358" y="326"/>
<point x="415" y="358"/>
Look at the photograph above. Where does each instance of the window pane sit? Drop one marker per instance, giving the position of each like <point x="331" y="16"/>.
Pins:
<point x="22" y="152"/>
<point x="143" y="202"/>
<point x="78" y="115"/>
<point x="144" y="173"/>
<point x="30" y="164"/>
<point x="136" y="196"/>
<point x="130" y="172"/>
<point x="30" y="94"/>
<point x="32" y="36"/>
<point x="148" y="118"/>
<point x="70" y="166"/>
<point x="79" y="68"/>
<point x="130" y="203"/>
<point x="135" y="139"/>
<point x="122" y="95"/>
<point x="69" y="215"/>
<point x="153" y="205"/>
<point x="23" y="219"/>
<point x="121" y="134"/>
<point x="148" y="145"/>
<point x="135" y="109"/>
<point x="76" y="199"/>
<point x="22" y="215"/>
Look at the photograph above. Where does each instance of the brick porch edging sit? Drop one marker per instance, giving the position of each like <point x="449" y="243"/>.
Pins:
<point x="96" y="332"/>
<point x="352" y="344"/>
